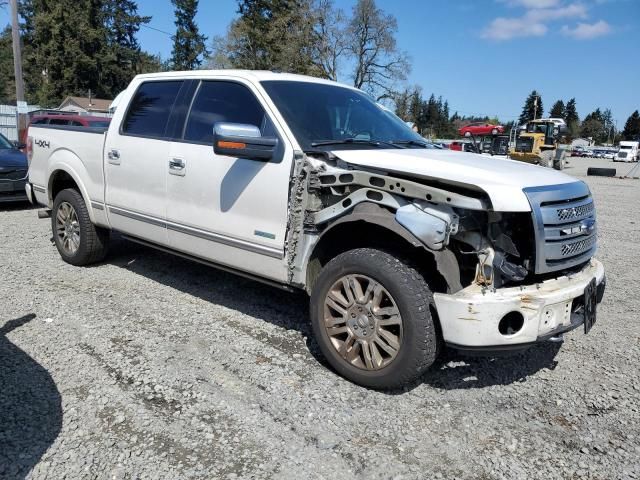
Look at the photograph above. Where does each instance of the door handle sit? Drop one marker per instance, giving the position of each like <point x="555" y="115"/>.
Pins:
<point x="176" y="164"/>
<point x="177" y="167"/>
<point x="114" y="156"/>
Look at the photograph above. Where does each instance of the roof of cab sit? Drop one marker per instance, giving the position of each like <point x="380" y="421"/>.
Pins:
<point x="255" y="75"/>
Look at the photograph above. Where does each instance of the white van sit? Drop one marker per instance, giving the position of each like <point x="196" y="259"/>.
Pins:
<point x="628" y="152"/>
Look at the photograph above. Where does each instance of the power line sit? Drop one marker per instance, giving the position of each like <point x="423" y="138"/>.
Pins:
<point x="157" y="30"/>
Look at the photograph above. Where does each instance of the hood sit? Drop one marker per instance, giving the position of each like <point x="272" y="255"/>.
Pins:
<point x="12" y="158"/>
<point x="501" y="179"/>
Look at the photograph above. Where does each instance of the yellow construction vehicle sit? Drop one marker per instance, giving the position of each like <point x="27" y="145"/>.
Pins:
<point x="538" y="142"/>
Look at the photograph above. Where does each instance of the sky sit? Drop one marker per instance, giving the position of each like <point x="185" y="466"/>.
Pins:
<point x="486" y="56"/>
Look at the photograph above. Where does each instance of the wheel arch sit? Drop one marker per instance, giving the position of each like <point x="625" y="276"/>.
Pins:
<point x="64" y="174"/>
<point x="372" y="226"/>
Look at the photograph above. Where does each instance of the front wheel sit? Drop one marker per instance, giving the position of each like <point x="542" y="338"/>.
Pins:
<point x="78" y="241"/>
<point x="371" y="315"/>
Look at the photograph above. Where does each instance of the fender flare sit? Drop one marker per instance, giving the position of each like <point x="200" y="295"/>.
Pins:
<point x="64" y="160"/>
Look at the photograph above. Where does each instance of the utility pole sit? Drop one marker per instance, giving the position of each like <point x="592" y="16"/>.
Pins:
<point x="17" y="53"/>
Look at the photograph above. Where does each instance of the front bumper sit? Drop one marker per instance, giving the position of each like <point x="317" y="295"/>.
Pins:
<point x="12" y="191"/>
<point x="470" y="318"/>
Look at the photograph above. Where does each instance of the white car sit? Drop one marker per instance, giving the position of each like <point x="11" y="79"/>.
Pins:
<point x="308" y="184"/>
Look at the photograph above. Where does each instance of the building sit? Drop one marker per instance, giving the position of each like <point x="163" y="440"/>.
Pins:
<point x="92" y="106"/>
<point x="582" y="142"/>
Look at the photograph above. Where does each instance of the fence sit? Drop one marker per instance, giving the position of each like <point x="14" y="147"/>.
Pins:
<point x="9" y="120"/>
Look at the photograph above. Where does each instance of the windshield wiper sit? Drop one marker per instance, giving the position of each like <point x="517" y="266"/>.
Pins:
<point x="417" y="143"/>
<point x="348" y="141"/>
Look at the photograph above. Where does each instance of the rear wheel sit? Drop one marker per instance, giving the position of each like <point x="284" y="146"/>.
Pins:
<point x="371" y="316"/>
<point x="77" y="239"/>
<point x="494" y="131"/>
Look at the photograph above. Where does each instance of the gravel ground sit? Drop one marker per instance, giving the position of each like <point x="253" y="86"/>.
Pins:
<point x="149" y="366"/>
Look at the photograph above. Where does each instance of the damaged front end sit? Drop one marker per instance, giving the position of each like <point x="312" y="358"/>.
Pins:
<point x="452" y="222"/>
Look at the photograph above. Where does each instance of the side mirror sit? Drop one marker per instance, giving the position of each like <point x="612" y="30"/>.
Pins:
<point x="242" y="141"/>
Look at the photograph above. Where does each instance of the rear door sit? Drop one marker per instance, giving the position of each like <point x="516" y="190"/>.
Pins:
<point x="137" y="150"/>
<point x="228" y="210"/>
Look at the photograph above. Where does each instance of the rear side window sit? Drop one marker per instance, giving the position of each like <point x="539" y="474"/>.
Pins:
<point x="150" y="109"/>
<point x="218" y="101"/>
<point x="76" y="123"/>
<point x="58" y="121"/>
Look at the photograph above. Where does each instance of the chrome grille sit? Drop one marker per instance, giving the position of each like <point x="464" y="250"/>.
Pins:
<point x="565" y="225"/>
<point x="575" y="212"/>
<point x="569" y="249"/>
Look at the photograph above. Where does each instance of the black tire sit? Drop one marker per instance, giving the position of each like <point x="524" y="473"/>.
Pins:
<point x="94" y="241"/>
<point x="419" y="345"/>
<point x="601" y="172"/>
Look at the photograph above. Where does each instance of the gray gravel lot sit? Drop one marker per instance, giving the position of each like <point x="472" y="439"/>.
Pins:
<point x="149" y="366"/>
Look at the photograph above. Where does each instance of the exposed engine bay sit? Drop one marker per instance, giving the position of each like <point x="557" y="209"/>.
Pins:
<point x="491" y="249"/>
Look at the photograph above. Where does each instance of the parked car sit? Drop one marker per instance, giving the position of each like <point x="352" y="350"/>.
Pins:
<point x="66" y="119"/>
<point x="13" y="171"/>
<point x="480" y="128"/>
<point x="308" y="184"/>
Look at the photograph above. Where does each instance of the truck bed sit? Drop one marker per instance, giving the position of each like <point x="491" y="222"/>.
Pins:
<point x="78" y="149"/>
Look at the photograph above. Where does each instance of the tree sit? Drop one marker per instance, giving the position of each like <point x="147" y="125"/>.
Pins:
<point x="593" y="127"/>
<point x="189" y="46"/>
<point x="122" y="58"/>
<point x="572" y="119"/>
<point x="280" y="35"/>
<point x="532" y="108"/>
<point x="7" y="87"/>
<point x="632" y="127"/>
<point x="379" y="64"/>
<point x="67" y="45"/>
<point x="331" y="43"/>
<point x="558" y="110"/>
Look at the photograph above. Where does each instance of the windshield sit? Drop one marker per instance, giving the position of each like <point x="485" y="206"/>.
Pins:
<point x="320" y="113"/>
<point x="536" y="128"/>
<point x="4" y="143"/>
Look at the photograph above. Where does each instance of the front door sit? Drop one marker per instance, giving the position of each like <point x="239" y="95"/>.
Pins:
<point x="228" y="210"/>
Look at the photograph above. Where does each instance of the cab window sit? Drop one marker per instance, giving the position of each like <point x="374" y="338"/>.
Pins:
<point x="221" y="101"/>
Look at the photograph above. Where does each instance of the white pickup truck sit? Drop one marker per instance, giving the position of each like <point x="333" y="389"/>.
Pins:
<point x="304" y="183"/>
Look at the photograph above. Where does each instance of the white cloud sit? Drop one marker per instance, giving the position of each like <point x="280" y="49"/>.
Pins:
<point x="575" y="10"/>
<point x="587" y="31"/>
<point x="535" y="20"/>
<point x="508" y="28"/>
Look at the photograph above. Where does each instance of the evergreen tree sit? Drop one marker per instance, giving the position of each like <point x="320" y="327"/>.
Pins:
<point x="122" y="58"/>
<point x="532" y="109"/>
<point x="278" y="35"/>
<point x="67" y="44"/>
<point x="189" y="46"/>
<point x="632" y="127"/>
<point x="558" y="110"/>
<point x="572" y="119"/>
<point x="7" y="87"/>
<point x="593" y="127"/>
